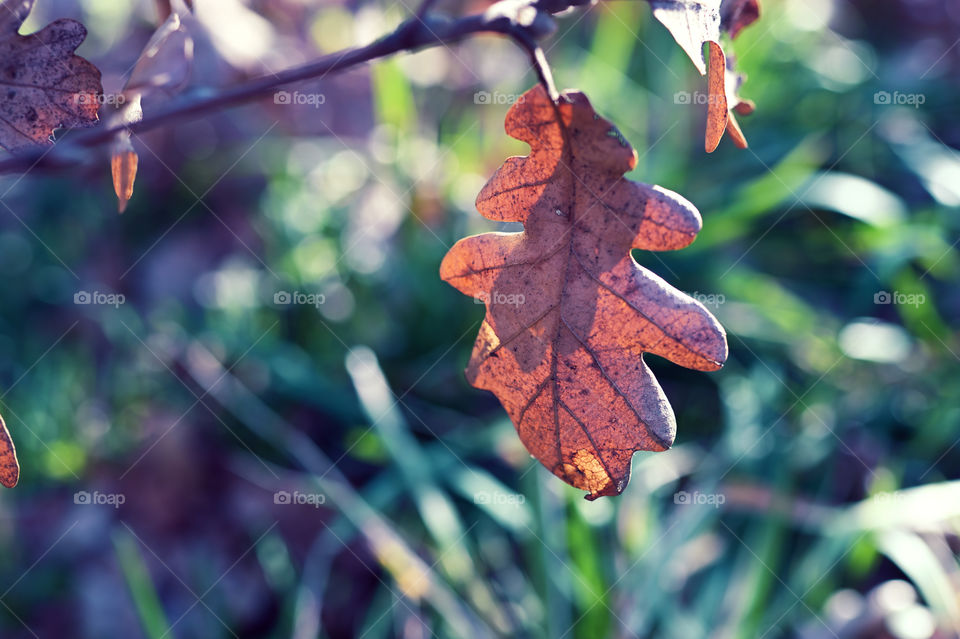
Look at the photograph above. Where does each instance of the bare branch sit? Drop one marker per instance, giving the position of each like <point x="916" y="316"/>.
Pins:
<point x="523" y="21"/>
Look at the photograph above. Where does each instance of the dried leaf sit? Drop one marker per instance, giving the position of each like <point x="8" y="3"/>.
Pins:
<point x="123" y="168"/>
<point x="693" y="23"/>
<point x="43" y="85"/>
<point x="723" y="83"/>
<point x="166" y="61"/>
<point x="569" y="312"/>
<point x="737" y="14"/>
<point x="717" y="110"/>
<point x="165" y="64"/>
<point x="9" y="466"/>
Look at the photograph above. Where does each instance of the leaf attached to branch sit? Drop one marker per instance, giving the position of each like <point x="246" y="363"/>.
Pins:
<point x="694" y="23"/>
<point x="723" y="83"/>
<point x="43" y="85"/>
<point x="164" y="65"/>
<point x="691" y="23"/>
<point x="569" y="312"/>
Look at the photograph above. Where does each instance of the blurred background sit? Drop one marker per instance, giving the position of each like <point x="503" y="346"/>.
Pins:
<point x="260" y="427"/>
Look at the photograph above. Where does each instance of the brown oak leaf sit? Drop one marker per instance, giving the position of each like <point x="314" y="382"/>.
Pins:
<point x="9" y="466"/>
<point x="569" y="311"/>
<point x="43" y="85"/>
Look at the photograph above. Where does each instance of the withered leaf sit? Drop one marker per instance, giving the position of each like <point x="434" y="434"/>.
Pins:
<point x="693" y="23"/>
<point x="9" y="466"/>
<point x="43" y="85"/>
<point x="123" y="170"/>
<point x="166" y="61"/>
<point x="723" y="84"/>
<point x="569" y="312"/>
<point x="737" y="14"/>
<point x="165" y="64"/>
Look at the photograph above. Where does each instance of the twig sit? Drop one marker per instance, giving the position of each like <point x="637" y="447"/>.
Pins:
<point x="417" y="33"/>
<point x="539" y="61"/>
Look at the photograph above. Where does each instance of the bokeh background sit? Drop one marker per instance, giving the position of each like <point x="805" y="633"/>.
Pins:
<point x="203" y="461"/>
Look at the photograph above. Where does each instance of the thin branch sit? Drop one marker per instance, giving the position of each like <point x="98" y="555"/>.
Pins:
<point x="417" y="33"/>
<point x="539" y="61"/>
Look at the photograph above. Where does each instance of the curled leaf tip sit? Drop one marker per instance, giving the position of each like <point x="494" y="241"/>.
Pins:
<point x="9" y="465"/>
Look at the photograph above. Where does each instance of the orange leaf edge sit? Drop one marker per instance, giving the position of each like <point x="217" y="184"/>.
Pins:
<point x="123" y="168"/>
<point x="9" y="466"/>
<point x="717" y="109"/>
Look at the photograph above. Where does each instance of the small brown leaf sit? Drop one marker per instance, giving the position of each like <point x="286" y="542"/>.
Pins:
<point x="723" y="83"/>
<point x="165" y="64"/>
<point x="736" y="133"/>
<point x="693" y="23"/>
<point x="43" y="85"/>
<point x="737" y="14"/>
<point x="9" y="466"/>
<point x="569" y="312"/>
<point x="123" y="167"/>
<point x="717" y="110"/>
<point x="123" y="158"/>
